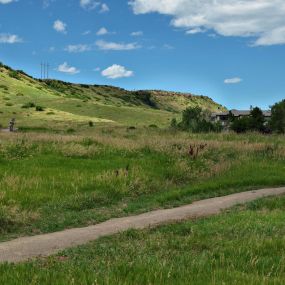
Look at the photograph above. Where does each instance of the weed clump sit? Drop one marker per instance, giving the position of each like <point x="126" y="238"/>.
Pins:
<point x="40" y="108"/>
<point x="28" y="105"/>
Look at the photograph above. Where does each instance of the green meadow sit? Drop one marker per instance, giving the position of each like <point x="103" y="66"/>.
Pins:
<point x="245" y="245"/>
<point x="85" y="153"/>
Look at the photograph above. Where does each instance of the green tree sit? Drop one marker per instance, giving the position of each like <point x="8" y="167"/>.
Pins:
<point x="196" y="120"/>
<point x="256" y="120"/>
<point x="277" y="122"/>
<point x="240" y="125"/>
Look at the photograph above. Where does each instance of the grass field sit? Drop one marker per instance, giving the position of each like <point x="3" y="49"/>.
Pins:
<point x="68" y="105"/>
<point x="50" y="181"/>
<point x="59" y="171"/>
<point x="242" y="246"/>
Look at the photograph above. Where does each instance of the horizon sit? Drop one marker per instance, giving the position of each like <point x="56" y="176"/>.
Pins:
<point x="157" y="46"/>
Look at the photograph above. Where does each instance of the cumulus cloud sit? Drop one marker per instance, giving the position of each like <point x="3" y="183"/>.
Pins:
<point x="6" y="1"/>
<point x="60" y="26"/>
<point x="104" y="8"/>
<point x="65" y="68"/>
<point x="117" y="71"/>
<point x="234" y="80"/>
<point x="77" y="48"/>
<point x="263" y="20"/>
<point x="103" y="45"/>
<point x="89" y="4"/>
<point x="10" y="39"/>
<point x="103" y="31"/>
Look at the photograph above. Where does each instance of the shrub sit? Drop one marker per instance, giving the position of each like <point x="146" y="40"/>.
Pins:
<point x="4" y="87"/>
<point x="70" y="131"/>
<point x="14" y="74"/>
<point x="91" y="124"/>
<point x="28" y="105"/>
<point x="196" y="120"/>
<point x="153" y="126"/>
<point x="254" y="122"/>
<point x="240" y="125"/>
<point x="173" y="123"/>
<point x="40" y="108"/>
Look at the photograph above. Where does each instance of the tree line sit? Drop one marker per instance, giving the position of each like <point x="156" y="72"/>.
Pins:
<point x="197" y="120"/>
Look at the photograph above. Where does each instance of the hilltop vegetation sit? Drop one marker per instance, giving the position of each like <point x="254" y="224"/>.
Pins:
<point x="69" y="105"/>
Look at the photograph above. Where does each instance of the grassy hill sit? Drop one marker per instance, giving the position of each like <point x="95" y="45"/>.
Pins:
<point x="37" y="103"/>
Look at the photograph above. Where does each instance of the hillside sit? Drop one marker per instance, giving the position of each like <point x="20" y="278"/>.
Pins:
<point x="36" y="103"/>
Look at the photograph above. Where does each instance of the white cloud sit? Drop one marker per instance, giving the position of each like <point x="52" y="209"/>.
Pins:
<point x="97" y="69"/>
<point x="137" y="34"/>
<point x="6" y="1"/>
<point x="167" y="46"/>
<point x="262" y="20"/>
<point x="89" y="4"/>
<point x="103" y="45"/>
<point x="59" y="26"/>
<point x="234" y="80"/>
<point x="10" y="39"/>
<point x="103" y="31"/>
<point x="65" y="68"/>
<point x="77" y="48"/>
<point x="104" y="8"/>
<point x="117" y="71"/>
<point x="86" y="33"/>
<point x="194" y="31"/>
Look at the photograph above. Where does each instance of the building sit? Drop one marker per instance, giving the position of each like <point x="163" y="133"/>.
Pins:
<point x="224" y="117"/>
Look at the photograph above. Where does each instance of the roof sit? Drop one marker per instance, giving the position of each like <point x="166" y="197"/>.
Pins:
<point x="240" y="113"/>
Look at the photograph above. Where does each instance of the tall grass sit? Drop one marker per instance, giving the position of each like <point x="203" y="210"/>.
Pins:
<point x="59" y="181"/>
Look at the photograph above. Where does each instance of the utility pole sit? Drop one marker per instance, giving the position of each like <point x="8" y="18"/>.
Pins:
<point x="44" y="70"/>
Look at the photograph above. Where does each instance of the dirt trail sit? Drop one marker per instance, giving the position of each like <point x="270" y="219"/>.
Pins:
<point x="25" y="248"/>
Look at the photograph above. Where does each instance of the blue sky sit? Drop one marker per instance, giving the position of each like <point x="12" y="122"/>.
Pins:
<point x="230" y="50"/>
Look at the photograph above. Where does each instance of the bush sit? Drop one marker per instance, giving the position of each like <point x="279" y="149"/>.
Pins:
<point x="70" y="131"/>
<point x="40" y="109"/>
<point x="4" y="87"/>
<point x="91" y="124"/>
<point x="28" y="105"/>
<point x="277" y="122"/>
<point x="153" y="126"/>
<point x="254" y="122"/>
<point x="240" y="125"/>
<point x="196" y="120"/>
<point x="14" y="74"/>
<point x="173" y="124"/>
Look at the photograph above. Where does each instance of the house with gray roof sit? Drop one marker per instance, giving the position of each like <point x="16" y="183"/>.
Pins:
<point x="224" y="117"/>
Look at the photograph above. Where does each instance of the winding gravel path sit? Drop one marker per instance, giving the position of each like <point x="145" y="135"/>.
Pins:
<point x="25" y="248"/>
